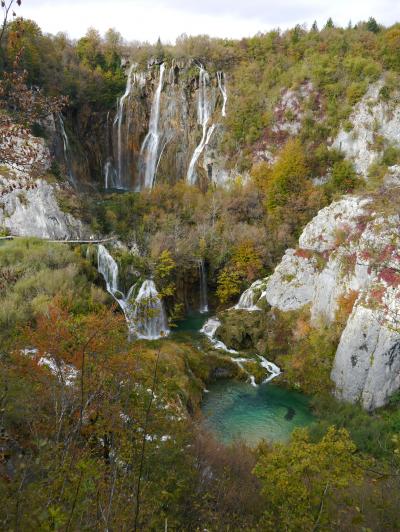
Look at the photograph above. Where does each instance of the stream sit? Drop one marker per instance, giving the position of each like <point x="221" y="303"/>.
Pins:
<point x="238" y="410"/>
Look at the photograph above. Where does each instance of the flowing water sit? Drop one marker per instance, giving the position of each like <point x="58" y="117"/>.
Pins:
<point x="67" y="151"/>
<point x="234" y="410"/>
<point x="203" y="287"/>
<point x="222" y="88"/>
<point x="150" y="147"/>
<point x="203" y="116"/>
<point x="145" y="314"/>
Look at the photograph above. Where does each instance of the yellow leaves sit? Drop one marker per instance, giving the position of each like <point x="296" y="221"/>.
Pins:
<point x="294" y="477"/>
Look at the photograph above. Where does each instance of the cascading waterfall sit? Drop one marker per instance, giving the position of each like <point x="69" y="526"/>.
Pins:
<point x="108" y="268"/>
<point x="210" y="329"/>
<point x="222" y="88"/>
<point x="67" y="151"/>
<point x="122" y="174"/>
<point x="203" y="117"/>
<point x="203" y="287"/>
<point x="145" y="315"/>
<point x="149" y="149"/>
<point x="150" y="316"/>
<point x="246" y="301"/>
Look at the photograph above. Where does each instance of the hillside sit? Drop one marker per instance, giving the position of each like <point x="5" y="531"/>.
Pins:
<point x="245" y="195"/>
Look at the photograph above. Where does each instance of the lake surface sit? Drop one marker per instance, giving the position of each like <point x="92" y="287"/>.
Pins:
<point x="234" y="410"/>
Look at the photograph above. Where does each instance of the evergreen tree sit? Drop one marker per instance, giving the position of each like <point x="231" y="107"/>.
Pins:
<point x="372" y="25"/>
<point x="329" y="23"/>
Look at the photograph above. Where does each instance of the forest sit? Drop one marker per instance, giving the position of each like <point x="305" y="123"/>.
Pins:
<point x="102" y="431"/>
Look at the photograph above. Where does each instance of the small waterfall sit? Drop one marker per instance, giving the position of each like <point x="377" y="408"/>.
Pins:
<point x="149" y="149"/>
<point x="67" y="151"/>
<point x="272" y="369"/>
<point x="246" y="301"/>
<point x="222" y="88"/>
<point x="210" y="329"/>
<point x="110" y="175"/>
<point x="203" y="287"/>
<point x="122" y="166"/>
<point x="149" y="314"/>
<point x="203" y="117"/>
<point x="145" y="315"/>
<point x="108" y="268"/>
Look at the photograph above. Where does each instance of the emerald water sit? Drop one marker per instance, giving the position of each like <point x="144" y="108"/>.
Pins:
<point x="234" y="410"/>
<point x="192" y="323"/>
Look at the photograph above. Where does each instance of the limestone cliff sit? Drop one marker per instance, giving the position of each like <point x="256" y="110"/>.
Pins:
<point x="28" y="194"/>
<point x="351" y="249"/>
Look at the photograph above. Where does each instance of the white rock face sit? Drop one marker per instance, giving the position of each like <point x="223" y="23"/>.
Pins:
<point x="321" y="233"/>
<point x="32" y="210"/>
<point x="370" y="117"/>
<point x="28" y="206"/>
<point x="364" y="263"/>
<point x="292" y="284"/>
<point x="367" y="361"/>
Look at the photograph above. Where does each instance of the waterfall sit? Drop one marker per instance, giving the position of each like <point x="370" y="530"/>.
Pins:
<point x="210" y="329"/>
<point x="149" y="314"/>
<point x="149" y="149"/>
<point x="246" y="301"/>
<point x="222" y="88"/>
<point x="272" y="369"/>
<point x="67" y="151"/>
<point x="122" y="170"/>
<point x="146" y="316"/>
<point x="108" y="268"/>
<point x="110" y="176"/>
<point x="203" y="117"/>
<point x="203" y="287"/>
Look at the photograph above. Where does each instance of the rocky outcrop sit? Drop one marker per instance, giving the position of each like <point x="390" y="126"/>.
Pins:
<point x="374" y="122"/>
<point x="28" y="203"/>
<point x="349" y="251"/>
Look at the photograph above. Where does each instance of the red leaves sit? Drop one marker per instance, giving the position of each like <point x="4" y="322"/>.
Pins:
<point x="390" y="277"/>
<point x="303" y="253"/>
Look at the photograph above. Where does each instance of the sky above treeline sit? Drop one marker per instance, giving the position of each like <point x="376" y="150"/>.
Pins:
<point x="146" y="20"/>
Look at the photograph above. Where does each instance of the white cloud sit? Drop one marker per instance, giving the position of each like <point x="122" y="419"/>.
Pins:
<point x="147" y="20"/>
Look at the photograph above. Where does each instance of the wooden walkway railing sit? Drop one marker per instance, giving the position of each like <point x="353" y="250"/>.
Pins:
<point x="90" y="241"/>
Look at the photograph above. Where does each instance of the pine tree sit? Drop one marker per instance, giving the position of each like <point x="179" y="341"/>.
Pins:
<point x="329" y="23"/>
<point x="372" y="25"/>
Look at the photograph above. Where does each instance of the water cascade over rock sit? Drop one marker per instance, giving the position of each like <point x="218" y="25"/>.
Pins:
<point x="145" y="315"/>
<point x="149" y="314"/>
<point x="162" y="130"/>
<point x="123" y="127"/>
<point x="204" y="112"/>
<point x="210" y="329"/>
<point x="247" y="299"/>
<point x="203" y="287"/>
<point x="67" y="151"/>
<point x="150" y="147"/>
<point x="224" y="92"/>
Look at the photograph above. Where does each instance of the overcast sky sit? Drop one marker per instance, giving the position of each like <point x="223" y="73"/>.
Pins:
<point x="150" y="19"/>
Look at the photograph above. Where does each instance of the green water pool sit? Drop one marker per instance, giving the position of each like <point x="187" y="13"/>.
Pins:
<point x="236" y="410"/>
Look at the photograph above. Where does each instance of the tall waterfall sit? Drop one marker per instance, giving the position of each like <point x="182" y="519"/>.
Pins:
<point x="149" y="149"/>
<point x="203" y="117"/>
<point x="122" y="177"/>
<point x="222" y="88"/>
<point x="67" y="151"/>
<point x="146" y="316"/>
<point x="203" y="287"/>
